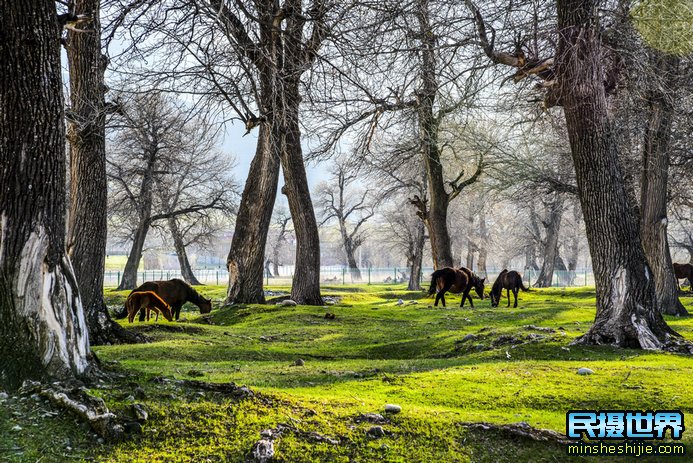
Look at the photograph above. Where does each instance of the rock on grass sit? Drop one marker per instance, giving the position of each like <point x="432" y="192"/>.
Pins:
<point x="584" y="371"/>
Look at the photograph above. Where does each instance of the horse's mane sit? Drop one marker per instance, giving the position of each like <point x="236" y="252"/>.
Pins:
<point x="497" y="284"/>
<point x="193" y="296"/>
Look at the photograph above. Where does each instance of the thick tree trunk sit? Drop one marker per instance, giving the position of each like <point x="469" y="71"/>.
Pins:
<point x="483" y="244"/>
<point x="627" y="313"/>
<point x="416" y="257"/>
<point x="179" y="245"/>
<point x="305" y="288"/>
<point x="246" y="260"/>
<point x="43" y="333"/>
<point x="552" y="227"/>
<point x="86" y="240"/>
<point x="653" y="191"/>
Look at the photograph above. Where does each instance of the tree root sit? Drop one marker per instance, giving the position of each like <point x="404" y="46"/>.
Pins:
<point x="522" y="430"/>
<point x="90" y="409"/>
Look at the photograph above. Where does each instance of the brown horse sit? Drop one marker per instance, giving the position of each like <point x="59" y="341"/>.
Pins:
<point x="149" y="301"/>
<point x="176" y="293"/>
<point x="456" y="281"/>
<point x="512" y="281"/>
<point x="683" y="271"/>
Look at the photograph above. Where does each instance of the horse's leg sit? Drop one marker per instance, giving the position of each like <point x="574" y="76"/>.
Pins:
<point x="465" y="295"/>
<point x="471" y="302"/>
<point x="176" y="309"/>
<point x="515" y="291"/>
<point x="508" y="293"/>
<point x="142" y="314"/>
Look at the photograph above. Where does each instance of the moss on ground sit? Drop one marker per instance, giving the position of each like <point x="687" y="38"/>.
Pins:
<point x="443" y="366"/>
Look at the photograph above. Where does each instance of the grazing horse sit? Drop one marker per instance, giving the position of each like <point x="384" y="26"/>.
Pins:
<point x="176" y="293"/>
<point x="506" y="280"/>
<point x="149" y="301"/>
<point x="456" y="281"/>
<point x="683" y="271"/>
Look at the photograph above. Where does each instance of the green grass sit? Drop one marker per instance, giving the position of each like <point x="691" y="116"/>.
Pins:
<point x="377" y="352"/>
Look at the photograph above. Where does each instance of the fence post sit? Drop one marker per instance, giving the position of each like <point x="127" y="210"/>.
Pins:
<point x="343" y="276"/>
<point x="369" y="275"/>
<point x="585" y="277"/>
<point x="118" y="278"/>
<point x="395" y="280"/>
<point x="529" y="277"/>
<point x="266" y="278"/>
<point x="217" y="277"/>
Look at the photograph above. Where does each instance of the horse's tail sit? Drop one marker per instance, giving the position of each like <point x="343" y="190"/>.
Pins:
<point x="434" y="280"/>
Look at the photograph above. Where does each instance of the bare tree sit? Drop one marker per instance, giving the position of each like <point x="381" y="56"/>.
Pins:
<point x="339" y="199"/>
<point x="162" y="152"/>
<point x="43" y="333"/>
<point x="87" y="221"/>
<point x="627" y="312"/>
<point x="281" y="220"/>
<point x="407" y="235"/>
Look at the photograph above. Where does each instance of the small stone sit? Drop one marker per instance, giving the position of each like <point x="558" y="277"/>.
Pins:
<point x="469" y="337"/>
<point x="289" y="303"/>
<point x="299" y="362"/>
<point x="16" y="428"/>
<point x="400" y="302"/>
<point x="139" y="393"/>
<point x="376" y="431"/>
<point x="263" y="451"/>
<point x="140" y="412"/>
<point x="4" y="395"/>
<point x="584" y="371"/>
<point x="392" y="408"/>
<point x="130" y="398"/>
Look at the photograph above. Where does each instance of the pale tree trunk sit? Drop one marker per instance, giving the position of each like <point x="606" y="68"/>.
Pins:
<point x="627" y="313"/>
<point x="43" y="332"/>
<point x="416" y="257"/>
<point x="653" y="191"/>
<point x="305" y="287"/>
<point x="86" y="240"/>
<point x="552" y="227"/>
<point x="349" y="251"/>
<point x="179" y="245"/>
<point x="129" y="279"/>
<point x="247" y="254"/>
<point x="483" y="244"/>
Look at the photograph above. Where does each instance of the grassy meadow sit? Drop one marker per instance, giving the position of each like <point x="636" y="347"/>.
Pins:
<point x="444" y="367"/>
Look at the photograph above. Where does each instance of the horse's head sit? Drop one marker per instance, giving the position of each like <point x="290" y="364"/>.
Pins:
<point x="479" y="287"/>
<point x="205" y="306"/>
<point x="495" y="297"/>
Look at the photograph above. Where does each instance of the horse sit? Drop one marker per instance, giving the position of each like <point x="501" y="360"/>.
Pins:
<point x="683" y="271"/>
<point x="147" y="300"/>
<point x="510" y="280"/>
<point x="176" y="293"/>
<point x="456" y="281"/>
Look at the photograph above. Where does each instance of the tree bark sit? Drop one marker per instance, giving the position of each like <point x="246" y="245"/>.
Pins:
<point x="129" y="279"/>
<point x="437" y="214"/>
<point x="627" y="313"/>
<point x="653" y="191"/>
<point x="483" y="244"/>
<point x="86" y="240"/>
<point x="552" y="227"/>
<point x="305" y="287"/>
<point x="43" y="333"/>
<point x="247" y="255"/>
<point x="179" y="245"/>
<point x="349" y="251"/>
<point x="416" y="257"/>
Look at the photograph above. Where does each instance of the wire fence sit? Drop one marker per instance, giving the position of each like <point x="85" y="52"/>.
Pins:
<point x="344" y="276"/>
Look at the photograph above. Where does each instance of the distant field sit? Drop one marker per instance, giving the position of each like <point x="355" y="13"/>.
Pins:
<point x="118" y="263"/>
<point x="444" y="367"/>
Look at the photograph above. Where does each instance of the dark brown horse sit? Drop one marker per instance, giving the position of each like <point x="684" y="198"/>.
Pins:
<point x="512" y="281"/>
<point x="176" y="293"/>
<point x="456" y="281"/>
<point x="683" y="271"/>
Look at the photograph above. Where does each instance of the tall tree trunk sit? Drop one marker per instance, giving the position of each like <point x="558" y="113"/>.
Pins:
<point x="179" y="245"/>
<point x="437" y="217"/>
<point x="483" y="244"/>
<point x="416" y="257"/>
<point x="627" y="313"/>
<point x="129" y="279"/>
<point x="86" y="240"/>
<point x="349" y="251"/>
<point x="43" y="332"/>
<point x="653" y="191"/>
<point x="246" y="260"/>
<point x="552" y="227"/>
<point x="305" y="287"/>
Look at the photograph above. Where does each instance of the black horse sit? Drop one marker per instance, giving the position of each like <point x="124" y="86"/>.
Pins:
<point x="175" y="293"/>
<point x="457" y="281"/>
<point x="510" y="280"/>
